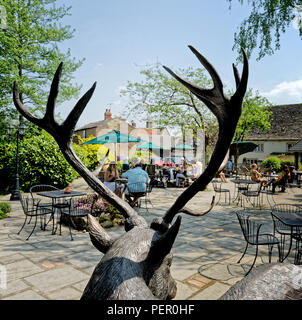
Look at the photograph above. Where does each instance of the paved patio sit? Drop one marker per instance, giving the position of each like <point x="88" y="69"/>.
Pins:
<point x="51" y="267"/>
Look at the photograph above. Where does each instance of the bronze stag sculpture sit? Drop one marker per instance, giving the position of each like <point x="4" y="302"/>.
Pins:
<point x="137" y="264"/>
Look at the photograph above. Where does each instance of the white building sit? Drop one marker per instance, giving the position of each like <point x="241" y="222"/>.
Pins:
<point x="285" y="131"/>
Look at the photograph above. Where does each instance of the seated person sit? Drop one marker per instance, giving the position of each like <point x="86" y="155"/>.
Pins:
<point x="292" y="174"/>
<point x="110" y="176"/>
<point x="137" y="181"/>
<point x="230" y="166"/>
<point x="126" y="165"/>
<point x="256" y="175"/>
<point x="151" y="170"/>
<point x="222" y="177"/>
<point x="281" y="180"/>
<point x="182" y="173"/>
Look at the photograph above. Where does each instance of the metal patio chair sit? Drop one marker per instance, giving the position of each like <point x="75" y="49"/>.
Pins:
<point x="284" y="231"/>
<point x="217" y="186"/>
<point x="134" y="190"/>
<point x="74" y="210"/>
<point x="253" y="236"/>
<point x="251" y="195"/>
<point x="40" y="188"/>
<point x="31" y="210"/>
<point x="45" y="204"/>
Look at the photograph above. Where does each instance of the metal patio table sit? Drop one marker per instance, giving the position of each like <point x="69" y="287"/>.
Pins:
<point x="292" y="220"/>
<point x="59" y="194"/>
<point x="238" y="182"/>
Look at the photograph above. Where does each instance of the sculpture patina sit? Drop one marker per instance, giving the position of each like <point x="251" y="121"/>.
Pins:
<point x="137" y="264"/>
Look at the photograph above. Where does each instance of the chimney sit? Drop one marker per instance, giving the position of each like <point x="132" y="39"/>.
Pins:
<point x="108" y="114"/>
<point x="149" y="124"/>
<point x="133" y="124"/>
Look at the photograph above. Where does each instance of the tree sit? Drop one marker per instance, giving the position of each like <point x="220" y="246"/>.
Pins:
<point x="268" y="19"/>
<point x="255" y="114"/>
<point x="169" y="103"/>
<point x="29" y="53"/>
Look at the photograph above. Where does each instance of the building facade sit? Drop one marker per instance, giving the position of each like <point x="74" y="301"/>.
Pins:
<point x="285" y="131"/>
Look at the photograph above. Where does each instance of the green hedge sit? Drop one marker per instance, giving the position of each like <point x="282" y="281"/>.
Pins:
<point x="4" y="209"/>
<point x="272" y="163"/>
<point x="41" y="162"/>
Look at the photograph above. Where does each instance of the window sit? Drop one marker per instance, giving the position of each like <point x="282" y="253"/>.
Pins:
<point x="259" y="148"/>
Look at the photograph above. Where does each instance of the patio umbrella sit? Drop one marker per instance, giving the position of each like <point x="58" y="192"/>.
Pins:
<point x="115" y="137"/>
<point x="149" y="146"/>
<point x="243" y="147"/>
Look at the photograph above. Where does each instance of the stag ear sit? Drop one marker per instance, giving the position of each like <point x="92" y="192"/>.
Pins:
<point x="163" y="245"/>
<point x="99" y="237"/>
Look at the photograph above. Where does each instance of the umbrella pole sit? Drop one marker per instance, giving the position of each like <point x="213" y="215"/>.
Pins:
<point x="115" y="151"/>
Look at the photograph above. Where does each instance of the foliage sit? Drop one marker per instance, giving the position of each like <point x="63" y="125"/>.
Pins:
<point x="168" y="103"/>
<point x="143" y="154"/>
<point x="111" y="218"/>
<point x="93" y="152"/>
<point x="29" y="53"/>
<point x="272" y="163"/>
<point x="108" y="215"/>
<point x="41" y="162"/>
<point x="4" y="209"/>
<point x="86" y="203"/>
<point x="287" y="162"/>
<point x="268" y="19"/>
<point x="255" y="114"/>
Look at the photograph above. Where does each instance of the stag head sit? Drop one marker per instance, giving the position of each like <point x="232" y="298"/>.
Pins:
<point x="137" y="264"/>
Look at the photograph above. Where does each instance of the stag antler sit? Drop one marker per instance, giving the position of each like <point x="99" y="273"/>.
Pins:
<point x="227" y="111"/>
<point x="62" y="133"/>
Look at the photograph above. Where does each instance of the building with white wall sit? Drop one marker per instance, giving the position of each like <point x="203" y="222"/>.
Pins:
<point x="285" y="131"/>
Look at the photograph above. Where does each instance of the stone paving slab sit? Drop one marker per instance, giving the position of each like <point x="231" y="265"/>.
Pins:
<point x="71" y="293"/>
<point x="56" y="279"/>
<point x="184" y="291"/>
<point x="26" y="295"/>
<point x="212" y="292"/>
<point x="21" y="269"/>
<point x="13" y="287"/>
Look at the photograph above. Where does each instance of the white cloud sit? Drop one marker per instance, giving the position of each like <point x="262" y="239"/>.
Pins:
<point x="290" y="91"/>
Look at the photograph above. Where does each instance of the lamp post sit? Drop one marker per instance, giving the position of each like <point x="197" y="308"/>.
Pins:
<point x="20" y="134"/>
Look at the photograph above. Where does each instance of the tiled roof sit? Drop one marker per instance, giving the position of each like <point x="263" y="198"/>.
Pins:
<point x="286" y="124"/>
<point x="93" y="124"/>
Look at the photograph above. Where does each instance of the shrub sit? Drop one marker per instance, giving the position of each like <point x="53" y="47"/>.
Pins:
<point x="4" y="209"/>
<point x="108" y="215"/>
<point x="93" y="152"/>
<point x="287" y="162"/>
<point x="272" y="163"/>
<point x="41" y="162"/>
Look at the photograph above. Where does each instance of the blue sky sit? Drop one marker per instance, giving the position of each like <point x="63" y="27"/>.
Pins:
<point x="118" y="37"/>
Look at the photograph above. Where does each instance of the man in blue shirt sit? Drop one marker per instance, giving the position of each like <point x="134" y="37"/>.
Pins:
<point x="137" y="182"/>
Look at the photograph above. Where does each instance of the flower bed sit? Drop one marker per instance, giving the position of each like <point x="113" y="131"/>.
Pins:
<point x="107" y="215"/>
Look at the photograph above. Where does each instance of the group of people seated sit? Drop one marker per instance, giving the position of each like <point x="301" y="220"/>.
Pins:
<point x="181" y="173"/>
<point x="281" y="180"/>
<point x="137" y="180"/>
<point x="138" y="176"/>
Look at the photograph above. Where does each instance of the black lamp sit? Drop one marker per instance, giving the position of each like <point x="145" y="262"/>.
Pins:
<point x="20" y="134"/>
